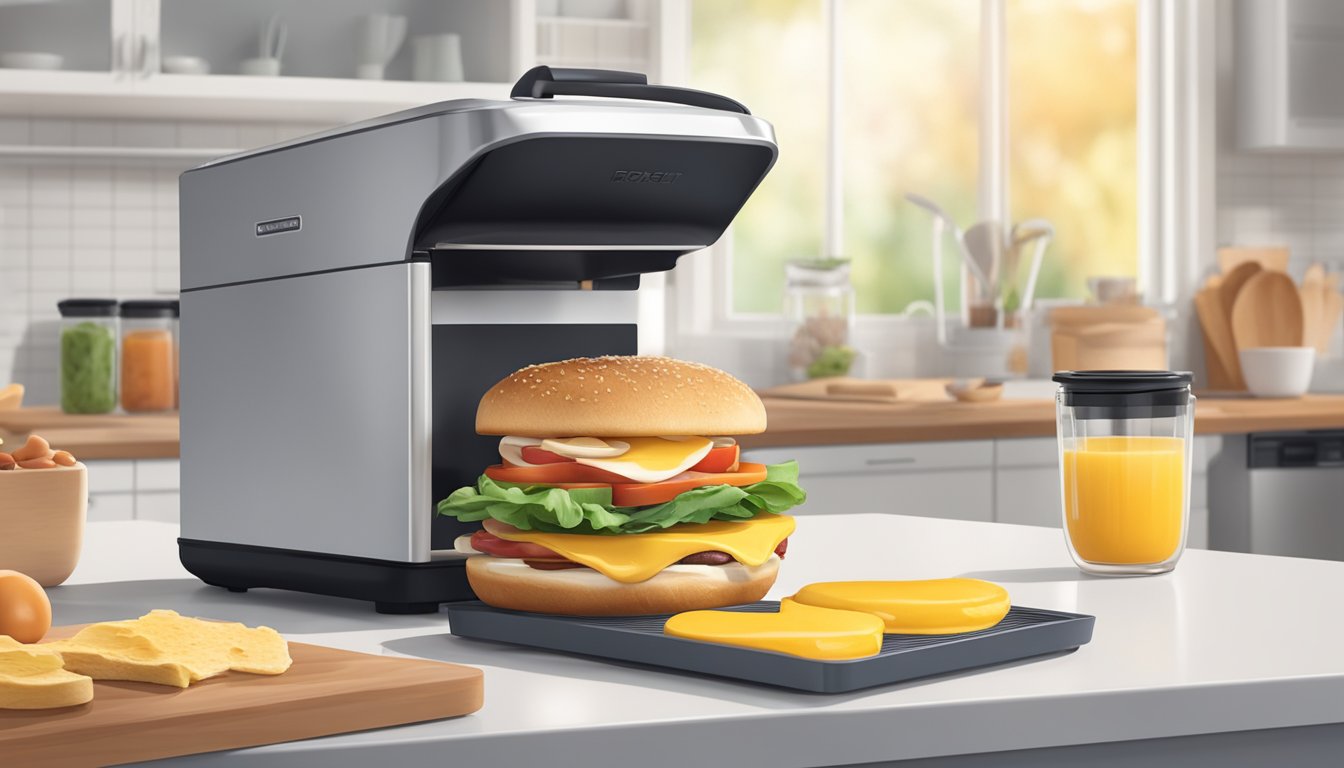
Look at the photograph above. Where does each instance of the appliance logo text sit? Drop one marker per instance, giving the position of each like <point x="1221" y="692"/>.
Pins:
<point x="276" y="226"/>
<point x="647" y="177"/>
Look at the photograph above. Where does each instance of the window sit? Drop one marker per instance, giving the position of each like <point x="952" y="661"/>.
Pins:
<point x="911" y="122"/>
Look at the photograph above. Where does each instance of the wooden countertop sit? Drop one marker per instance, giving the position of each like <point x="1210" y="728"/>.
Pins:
<point x="792" y="422"/>
<point x="103" y="436"/>
<point x="820" y="422"/>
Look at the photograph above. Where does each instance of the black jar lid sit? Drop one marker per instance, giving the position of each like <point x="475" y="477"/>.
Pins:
<point x="149" y="308"/>
<point x="1121" y="382"/>
<point x="88" y="307"/>
<point x="1124" y="394"/>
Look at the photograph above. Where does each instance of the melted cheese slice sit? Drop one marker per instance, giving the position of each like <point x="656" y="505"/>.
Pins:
<point x="632" y="558"/>
<point x="653" y="459"/>
<point x="798" y="630"/>
<point x="930" y="607"/>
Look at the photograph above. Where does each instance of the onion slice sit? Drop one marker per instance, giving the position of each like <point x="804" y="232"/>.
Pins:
<point x="585" y="447"/>
<point x="511" y="449"/>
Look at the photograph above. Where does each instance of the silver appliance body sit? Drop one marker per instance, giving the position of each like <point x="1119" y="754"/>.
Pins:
<point x="1279" y="493"/>
<point x="348" y="297"/>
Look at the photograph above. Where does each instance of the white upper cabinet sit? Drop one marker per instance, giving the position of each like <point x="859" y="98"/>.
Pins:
<point x="339" y="60"/>
<point x="1288" y="57"/>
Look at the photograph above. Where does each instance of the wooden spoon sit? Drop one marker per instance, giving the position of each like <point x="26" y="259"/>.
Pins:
<point x="1234" y="280"/>
<point x="1268" y="312"/>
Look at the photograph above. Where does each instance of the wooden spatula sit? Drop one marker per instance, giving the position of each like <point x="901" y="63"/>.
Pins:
<point x="1220" y="351"/>
<point x="1215" y="314"/>
<point x="1332" y="311"/>
<point x="1268" y="312"/>
<point x="1313" y="306"/>
<point x="1272" y="257"/>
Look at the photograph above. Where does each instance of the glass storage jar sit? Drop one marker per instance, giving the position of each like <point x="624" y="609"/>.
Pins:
<point x="88" y="355"/>
<point x="1125" y="440"/>
<point x="819" y="306"/>
<point x="148" y="356"/>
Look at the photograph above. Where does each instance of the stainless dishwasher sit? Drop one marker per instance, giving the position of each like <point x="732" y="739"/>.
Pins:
<point x="1279" y="493"/>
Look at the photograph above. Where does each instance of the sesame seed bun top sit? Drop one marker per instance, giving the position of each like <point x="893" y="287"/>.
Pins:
<point x="620" y="397"/>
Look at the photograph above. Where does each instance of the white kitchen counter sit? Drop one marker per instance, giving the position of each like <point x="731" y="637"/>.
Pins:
<point x="1226" y="643"/>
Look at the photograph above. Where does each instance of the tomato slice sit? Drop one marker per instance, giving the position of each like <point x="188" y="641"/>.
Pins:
<point x="490" y="544"/>
<point x="552" y="474"/>
<point x="623" y="492"/>
<point x="534" y="454"/>
<point x="717" y="460"/>
<point x="648" y="494"/>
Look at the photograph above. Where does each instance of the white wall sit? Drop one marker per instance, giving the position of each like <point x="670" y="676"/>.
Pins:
<point x="91" y="227"/>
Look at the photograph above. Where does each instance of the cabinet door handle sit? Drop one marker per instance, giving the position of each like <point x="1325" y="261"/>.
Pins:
<point x="895" y="460"/>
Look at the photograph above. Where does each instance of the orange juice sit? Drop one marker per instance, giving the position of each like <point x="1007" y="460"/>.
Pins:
<point x="1124" y="498"/>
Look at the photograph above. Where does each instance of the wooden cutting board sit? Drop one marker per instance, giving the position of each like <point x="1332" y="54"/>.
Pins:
<point x="326" y="691"/>
<point x="846" y="389"/>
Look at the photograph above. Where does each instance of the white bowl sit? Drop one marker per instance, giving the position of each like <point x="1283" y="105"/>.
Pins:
<point x="1277" y="371"/>
<point x="31" y="60"/>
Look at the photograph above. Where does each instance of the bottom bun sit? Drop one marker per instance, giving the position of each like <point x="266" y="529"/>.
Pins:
<point x="513" y="584"/>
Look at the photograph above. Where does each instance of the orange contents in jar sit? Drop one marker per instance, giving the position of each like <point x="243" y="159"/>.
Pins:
<point x="148" y="371"/>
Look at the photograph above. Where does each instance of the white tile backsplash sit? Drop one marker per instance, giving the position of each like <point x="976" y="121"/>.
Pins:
<point x="92" y="227"/>
<point x="1292" y="200"/>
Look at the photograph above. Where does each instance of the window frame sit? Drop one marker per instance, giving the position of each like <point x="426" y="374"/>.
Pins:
<point x="1176" y="147"/>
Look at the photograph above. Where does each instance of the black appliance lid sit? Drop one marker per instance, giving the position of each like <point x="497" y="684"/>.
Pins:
<point x="149" y="308"/>
<point x="87" y="307"/>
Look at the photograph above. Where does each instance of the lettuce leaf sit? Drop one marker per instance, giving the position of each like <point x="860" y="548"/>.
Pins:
<point x="589" y="510"/>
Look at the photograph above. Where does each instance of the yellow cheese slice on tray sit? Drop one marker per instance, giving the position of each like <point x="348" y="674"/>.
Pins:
<point x="797" y="630"/>
<point x="928" y="607"/>
<point x="33" y="677"/>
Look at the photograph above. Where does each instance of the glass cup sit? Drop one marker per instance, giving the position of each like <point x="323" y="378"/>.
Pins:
<point x="1125" y="440"/>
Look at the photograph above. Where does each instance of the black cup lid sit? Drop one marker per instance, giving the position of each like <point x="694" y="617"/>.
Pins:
<point x="1124" y="394"/>
<point x="88" y="307"/>
<point x="1122" y="382"/>
<point x="147" y="308"/>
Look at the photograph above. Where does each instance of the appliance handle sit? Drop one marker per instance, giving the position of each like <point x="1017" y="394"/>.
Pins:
<point x="544" y="82"/>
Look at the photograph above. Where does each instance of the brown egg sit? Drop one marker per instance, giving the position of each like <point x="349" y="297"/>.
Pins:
<point x="25" y="611"/>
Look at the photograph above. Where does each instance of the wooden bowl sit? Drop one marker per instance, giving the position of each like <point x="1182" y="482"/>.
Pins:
<point x="42" y="515"/>
<point x="975" y="391"/>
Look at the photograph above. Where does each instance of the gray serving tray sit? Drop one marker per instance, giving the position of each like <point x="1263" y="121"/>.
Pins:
<point x="1023" y="633"/>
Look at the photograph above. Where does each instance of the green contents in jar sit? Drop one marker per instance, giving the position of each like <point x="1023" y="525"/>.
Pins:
<point x="831" y="361"/>
<point x="88" y="366"/>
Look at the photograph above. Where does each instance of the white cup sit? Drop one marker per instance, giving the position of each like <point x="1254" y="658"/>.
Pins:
<point x="262" y="66"/>
<point x="437" y="58"/>
<point x="185" y="65"/>
<point x="380" y="38"/>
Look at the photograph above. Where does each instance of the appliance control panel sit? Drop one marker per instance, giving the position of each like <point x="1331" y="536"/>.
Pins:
<point x="1295" y="449"/>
